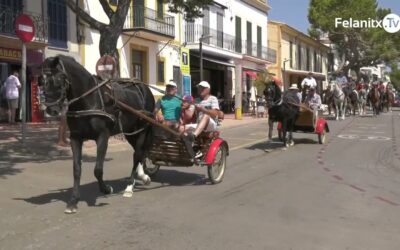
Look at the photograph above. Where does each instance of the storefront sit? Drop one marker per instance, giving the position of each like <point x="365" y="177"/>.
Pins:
<point x="216" y="71"/>
<point x="10" y="60"/>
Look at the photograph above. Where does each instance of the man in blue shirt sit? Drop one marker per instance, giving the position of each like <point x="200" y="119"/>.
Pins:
<point x="170" y="107"/>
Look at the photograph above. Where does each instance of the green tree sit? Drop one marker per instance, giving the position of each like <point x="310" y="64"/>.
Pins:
<point x="110" y="32"/>
<point x="395" y="76"/>
<point x="357" y="47"/>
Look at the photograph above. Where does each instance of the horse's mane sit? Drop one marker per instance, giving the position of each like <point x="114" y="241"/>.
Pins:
<point x="74" y="66"/>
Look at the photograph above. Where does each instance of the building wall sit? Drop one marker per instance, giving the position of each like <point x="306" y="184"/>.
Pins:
<point x="281" y="38"/>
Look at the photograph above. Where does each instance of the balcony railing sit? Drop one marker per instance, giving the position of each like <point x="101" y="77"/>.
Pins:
<point x="7" y="24"/>
<point x="218" y="38"/>
<point x="256" y="50"/>
<point x="140" y="17"/>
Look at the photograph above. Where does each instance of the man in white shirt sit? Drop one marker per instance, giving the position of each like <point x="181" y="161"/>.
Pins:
<point x="12" y="94"/>
<point x="341" y="79"/>
<point x="309" y="81"/>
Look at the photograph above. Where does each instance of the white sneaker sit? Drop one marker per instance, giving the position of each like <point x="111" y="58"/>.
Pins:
<point x="198" y="155"/>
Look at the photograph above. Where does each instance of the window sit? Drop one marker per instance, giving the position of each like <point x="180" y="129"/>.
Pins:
<point x="206" y="24"/>
<point x="238" y="32"/>
<point x="315" y="61"/>
<point x="308" y="59"/>
<point x="299" y="57"/>
<point x="259" y="42"/>
<point x="160" y="71"/>
<point x="291" y="54"/>
<point x="160" y="9"/>
<point x="220" y="30"/>
<point x="137" y="63"/>
<point x="11" y="8"/>
<point x="57" y="12"/>
<point x="249" y="36"/>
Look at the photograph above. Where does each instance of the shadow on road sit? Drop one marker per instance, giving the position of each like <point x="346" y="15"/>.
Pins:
<point x="90" y="191"/>
<point x="40" y="147"/>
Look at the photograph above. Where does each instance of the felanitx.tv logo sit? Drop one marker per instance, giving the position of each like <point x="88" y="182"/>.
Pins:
<point x="390" y="23"/>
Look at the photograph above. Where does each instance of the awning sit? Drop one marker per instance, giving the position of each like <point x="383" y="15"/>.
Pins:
<point x="219" y="62"/>
<point x="225" y="63"/>
<point x="316" y="75"/>
<point x="252" y="74"/>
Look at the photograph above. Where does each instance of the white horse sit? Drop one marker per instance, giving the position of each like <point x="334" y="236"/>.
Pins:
<point x="362" y="101"/>
<point x="339" y="100"/>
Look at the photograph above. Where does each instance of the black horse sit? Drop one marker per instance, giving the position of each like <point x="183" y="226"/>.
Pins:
<point x="284" y="109"/>
<point x="93" y="115"/>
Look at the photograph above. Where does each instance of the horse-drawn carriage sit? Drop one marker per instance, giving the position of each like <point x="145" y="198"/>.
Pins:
<point x="309" y="122"/>
<point x="170" y="150"/>
<point x="98" y="109"/>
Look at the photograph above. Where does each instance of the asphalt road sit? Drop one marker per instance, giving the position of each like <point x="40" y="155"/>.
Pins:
<point x="342" y="195"/>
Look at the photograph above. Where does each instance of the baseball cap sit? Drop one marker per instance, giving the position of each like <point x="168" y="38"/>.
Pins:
<point x="171" y="83"/>
<point x="204" y="84"/>
<point x="187" y="98"/>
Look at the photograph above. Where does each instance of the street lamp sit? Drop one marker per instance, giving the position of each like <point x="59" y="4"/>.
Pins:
<point x="201" y="53"/>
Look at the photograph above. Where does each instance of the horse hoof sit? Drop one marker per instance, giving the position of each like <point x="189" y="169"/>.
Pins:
<point x="291" y="143"/>
<point x="71" y="210"/>
<point x="108" y="190"/>
<point x="127" y="194"/>
<point x="147" y="181"/>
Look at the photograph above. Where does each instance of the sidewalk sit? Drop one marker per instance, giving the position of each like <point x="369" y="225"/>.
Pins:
<point x="41" y="138"/>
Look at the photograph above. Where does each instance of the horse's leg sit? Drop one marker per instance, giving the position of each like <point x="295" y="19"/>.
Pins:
<point x="270" y="128"/>
<point x="102" y="144"/>
<point x="284" y="132"/>
<point x="76" y="147"/>
<point x="336" y="111"/>
<point x="291" y="128"/>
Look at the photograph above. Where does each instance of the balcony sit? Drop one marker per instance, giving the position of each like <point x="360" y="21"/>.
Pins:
<point x="218" y="38"/>
<point x="257" y="51"/>
<point x="7" y="25"/>
<point x="155" y="25"/>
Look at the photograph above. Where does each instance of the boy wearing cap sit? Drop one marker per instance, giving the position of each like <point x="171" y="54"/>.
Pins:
<point x="313" y="100"/>
<point x="170" y="107"/>
<point x="188" y="112"/>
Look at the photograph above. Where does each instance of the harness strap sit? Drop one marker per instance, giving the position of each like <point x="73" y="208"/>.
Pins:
<point x="89" y="92"/>
<point x="82" y="113"/>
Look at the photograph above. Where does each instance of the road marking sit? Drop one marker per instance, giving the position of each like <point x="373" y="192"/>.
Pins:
<point x="364" y="137"/>
<point x="247" y="144"/>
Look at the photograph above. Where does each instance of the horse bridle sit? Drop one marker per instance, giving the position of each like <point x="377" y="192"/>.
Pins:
<point x="62" y="76"/>
<point x="272" y="102"/>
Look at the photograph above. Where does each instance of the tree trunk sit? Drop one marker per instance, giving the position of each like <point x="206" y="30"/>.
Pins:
<point x="108" y="44"/>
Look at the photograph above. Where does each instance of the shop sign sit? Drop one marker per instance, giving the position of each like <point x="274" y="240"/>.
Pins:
<point x="185" y="61"/>
<point x="10" y="54"/>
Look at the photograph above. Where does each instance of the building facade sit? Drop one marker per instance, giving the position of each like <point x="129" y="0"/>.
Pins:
<point x="234" y="46"/>
<point x="297" y="54"/>
<point x="56" y="33"/>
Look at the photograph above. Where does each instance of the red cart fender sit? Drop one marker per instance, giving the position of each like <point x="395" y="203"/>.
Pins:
<point x="212" y="151"/>
<point x="321" y="125"/>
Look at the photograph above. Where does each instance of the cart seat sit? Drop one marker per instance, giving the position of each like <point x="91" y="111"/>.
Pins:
<point x="306" y="117"/>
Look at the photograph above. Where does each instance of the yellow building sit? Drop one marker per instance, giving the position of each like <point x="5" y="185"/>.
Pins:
<point x="297" y="54"/>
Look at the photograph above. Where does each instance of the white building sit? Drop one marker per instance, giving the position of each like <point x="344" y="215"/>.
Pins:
<point x="237" y="48"/>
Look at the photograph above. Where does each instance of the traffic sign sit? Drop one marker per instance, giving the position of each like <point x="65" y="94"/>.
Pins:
<point x="106" y="67"/>
<point x="24" y="28"/>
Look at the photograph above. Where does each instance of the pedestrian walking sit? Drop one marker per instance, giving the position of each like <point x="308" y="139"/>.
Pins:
<point x="12" y="85"/>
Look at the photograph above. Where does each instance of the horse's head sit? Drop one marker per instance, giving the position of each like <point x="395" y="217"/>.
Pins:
<point x="54" y="83"/>
<point x="272" y="93"/>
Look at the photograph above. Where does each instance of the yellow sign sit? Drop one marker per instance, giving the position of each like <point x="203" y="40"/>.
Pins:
<point x="185" y="61"/>
<point x="10" y="54"/>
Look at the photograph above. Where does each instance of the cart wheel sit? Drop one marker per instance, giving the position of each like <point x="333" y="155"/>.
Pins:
<point x="321" y="137"/>
<point x="216" y="171"/>
<point x="280" y="134"/>
<point x="149" y="168"/>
